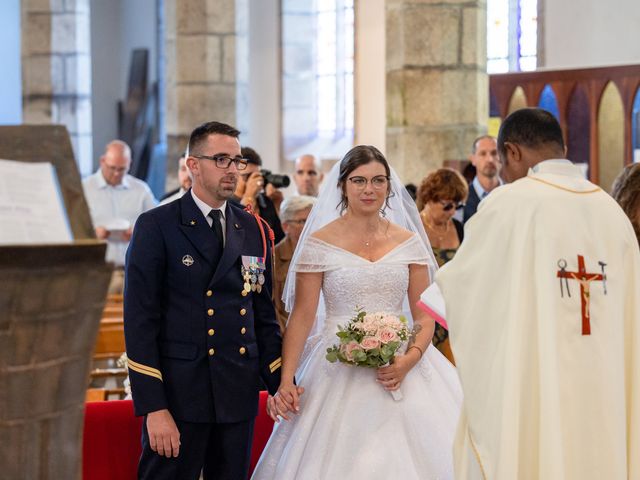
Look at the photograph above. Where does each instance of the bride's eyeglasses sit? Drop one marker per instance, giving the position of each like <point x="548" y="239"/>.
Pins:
<point x="379" y="182"/>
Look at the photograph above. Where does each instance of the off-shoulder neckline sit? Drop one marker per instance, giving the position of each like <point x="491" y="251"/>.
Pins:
<point x="336" y="247"/>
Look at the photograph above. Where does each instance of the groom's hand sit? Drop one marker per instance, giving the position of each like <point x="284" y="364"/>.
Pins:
<point x="287" y="400"/>
<point x="164" y="437"/>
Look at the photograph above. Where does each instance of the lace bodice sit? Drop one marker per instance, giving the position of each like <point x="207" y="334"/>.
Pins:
<point x="351" y="281"/>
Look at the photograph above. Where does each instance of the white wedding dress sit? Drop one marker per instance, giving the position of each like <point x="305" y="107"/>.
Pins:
<point x="348" y="425"/>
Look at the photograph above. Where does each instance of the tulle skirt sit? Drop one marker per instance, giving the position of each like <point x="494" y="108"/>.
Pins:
<point x="350" y="427"/>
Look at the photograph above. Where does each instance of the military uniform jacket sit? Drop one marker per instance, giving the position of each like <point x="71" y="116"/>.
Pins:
<point x="197" y="343"/>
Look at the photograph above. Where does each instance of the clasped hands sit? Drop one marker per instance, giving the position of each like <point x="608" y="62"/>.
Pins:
<point x="285" y="402"/>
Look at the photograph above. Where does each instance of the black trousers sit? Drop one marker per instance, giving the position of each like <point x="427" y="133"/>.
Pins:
<point x="222" y="451"/>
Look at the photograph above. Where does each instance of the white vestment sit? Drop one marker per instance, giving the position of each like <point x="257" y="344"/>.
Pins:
<point x="542" y="399"/>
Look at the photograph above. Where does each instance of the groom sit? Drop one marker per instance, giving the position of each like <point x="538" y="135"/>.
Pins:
<point x="200" y="327"/>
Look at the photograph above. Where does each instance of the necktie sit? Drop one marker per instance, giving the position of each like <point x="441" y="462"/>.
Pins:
<point x="216" y="226"/>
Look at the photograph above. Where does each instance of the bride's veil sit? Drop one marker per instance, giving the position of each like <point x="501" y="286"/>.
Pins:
<point x="402" y="211"/>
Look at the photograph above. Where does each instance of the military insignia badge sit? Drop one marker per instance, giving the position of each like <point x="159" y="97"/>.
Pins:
<point x="252" y="271"/>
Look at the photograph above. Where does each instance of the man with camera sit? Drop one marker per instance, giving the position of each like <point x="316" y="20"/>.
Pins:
<point x="250" y="190"/>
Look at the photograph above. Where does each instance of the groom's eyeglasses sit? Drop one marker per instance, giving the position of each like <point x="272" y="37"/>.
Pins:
<point x="224" y="161"/>
<point x="448" y="206"/>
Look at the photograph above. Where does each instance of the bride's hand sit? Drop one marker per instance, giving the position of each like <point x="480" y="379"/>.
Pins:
<point x="285" y="400"/>
<point x="392" y="376"/>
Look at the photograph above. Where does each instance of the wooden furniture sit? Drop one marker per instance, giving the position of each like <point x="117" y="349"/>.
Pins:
<point x="108" y="349"/>
<point x="586" y="85"/>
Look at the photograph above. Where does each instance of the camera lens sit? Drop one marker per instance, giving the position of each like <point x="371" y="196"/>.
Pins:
<point x="275" y="179"/>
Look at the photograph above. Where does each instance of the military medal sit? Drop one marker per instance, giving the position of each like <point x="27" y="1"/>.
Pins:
<point x="252" y="270"/>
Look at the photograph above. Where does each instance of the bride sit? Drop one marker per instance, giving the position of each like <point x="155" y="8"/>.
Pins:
<point x="363" y="246"/>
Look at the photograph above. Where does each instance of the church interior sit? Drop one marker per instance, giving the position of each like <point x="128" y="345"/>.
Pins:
<point x="418" y="79"/>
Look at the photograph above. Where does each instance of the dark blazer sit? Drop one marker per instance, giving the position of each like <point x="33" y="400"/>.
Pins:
<point x="196" y="344"/>
<point x="471" y="206"/>
<point x="168" y="194"/>
<point x="268" y="212"/>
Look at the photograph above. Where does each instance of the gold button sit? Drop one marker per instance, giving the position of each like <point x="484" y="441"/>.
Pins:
<point x="209" y="293"/>
<point x="243" y="350"/>
<point x="211" y="352"/>
<point x="210" y="312"/>
<point x="243" y="330"/>
<point x="243" y="311"/>
<point x="211" y="332"/>
<point x="244" y="293"/>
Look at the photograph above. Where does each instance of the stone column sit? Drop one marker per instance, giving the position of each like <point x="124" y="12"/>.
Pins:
<point x="207" y="68"/>
<point x="437" y="85"/>
<point x="50" y="308"/>
<point x="56" y="70"/>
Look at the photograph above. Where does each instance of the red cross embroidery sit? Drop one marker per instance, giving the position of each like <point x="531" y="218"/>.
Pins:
<point x="585" y="280"/>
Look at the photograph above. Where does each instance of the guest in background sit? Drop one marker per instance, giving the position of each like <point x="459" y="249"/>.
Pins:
<point x="293" y="214"/>
<point x="115" y="200"/>
<point x="308" y="175"/>
<point x="626" y="191"/>
<point x="250" y="192"/>
<point x="441" y="193"/>
<point x="184" y="180"/>
<point x="412" y="189"/>
<point x="484" y="157"/>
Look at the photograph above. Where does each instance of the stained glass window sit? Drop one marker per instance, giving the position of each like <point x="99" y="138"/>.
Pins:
<point x="512" y="35"/>
<point x="318" y="92"/>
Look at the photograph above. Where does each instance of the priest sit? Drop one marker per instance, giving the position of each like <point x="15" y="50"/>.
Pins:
<point x="547" y="335"/>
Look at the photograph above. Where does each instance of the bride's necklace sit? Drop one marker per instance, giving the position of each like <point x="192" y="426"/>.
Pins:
<point x="369" y="234"/>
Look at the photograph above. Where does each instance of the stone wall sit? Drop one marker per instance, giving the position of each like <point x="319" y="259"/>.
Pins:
<point x="56" y="66"/>
<point x="437" y="100"/>
<point x="204" y="79"/>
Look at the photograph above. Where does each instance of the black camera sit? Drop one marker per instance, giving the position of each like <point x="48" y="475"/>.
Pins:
<point x="275" y="179"/>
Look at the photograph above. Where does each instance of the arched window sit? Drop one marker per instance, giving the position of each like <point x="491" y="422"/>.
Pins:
<point x="512" y="35"/>
<point x="318" y="65"/>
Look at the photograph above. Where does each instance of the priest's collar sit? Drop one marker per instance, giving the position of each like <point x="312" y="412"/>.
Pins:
<point x="558" y="166"/>
<point x="562" y="174"/>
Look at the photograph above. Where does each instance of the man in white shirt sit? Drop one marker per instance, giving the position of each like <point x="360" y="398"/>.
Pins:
<point x="544" y="321"/>
<point x="116" y="199"/>
<point x="184" y="179"/>
<point x="484" y="158"/>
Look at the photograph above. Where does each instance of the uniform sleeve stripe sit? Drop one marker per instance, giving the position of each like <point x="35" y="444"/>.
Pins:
<point x="143" y="369"/>
<point x="275" y="362"/>
<point x="275" y="366"/>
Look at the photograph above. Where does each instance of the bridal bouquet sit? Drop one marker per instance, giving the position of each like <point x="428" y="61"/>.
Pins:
<point x="370" y="340"/>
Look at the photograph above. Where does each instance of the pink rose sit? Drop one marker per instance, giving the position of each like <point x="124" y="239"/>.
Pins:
<point x="369" y="325"/>
<point x="369" y="343"/>
<point x="393" y="322"/>
<point x="386" y="335"/>
<point x="349" y="348"/>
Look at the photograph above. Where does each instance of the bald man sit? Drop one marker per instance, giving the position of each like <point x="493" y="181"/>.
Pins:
<point x="116" y="199"/>
<point x="308" y="175"/>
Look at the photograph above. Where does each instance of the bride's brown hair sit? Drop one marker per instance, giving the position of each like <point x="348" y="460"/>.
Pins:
<point x="356" y="157"/>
